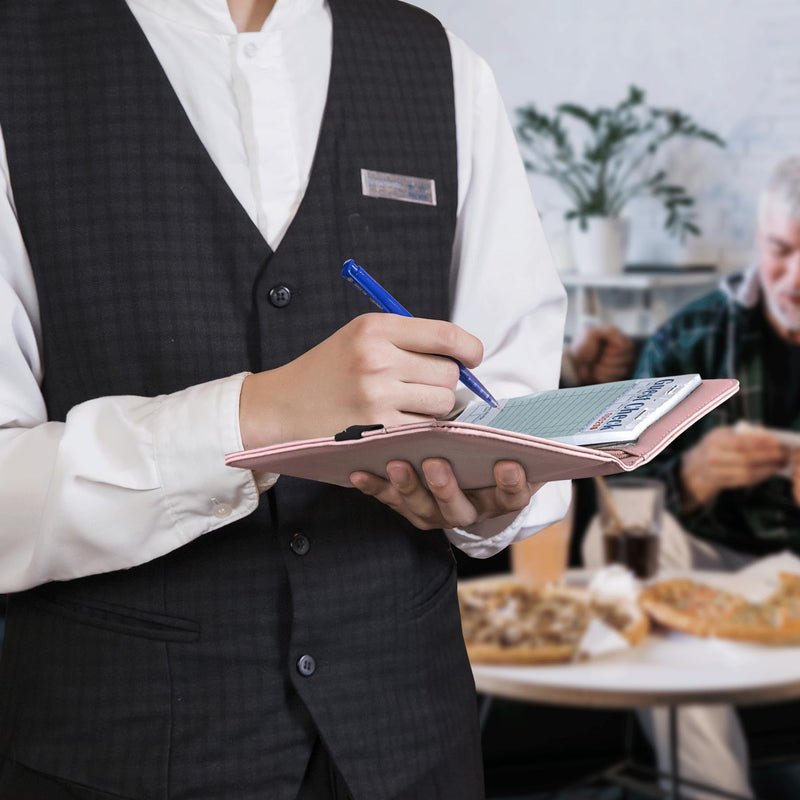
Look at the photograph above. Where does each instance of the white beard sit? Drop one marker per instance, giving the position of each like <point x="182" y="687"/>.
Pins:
<point x="790" y="320"/>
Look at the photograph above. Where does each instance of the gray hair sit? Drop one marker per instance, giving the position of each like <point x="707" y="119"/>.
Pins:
<point x="783" y="187"/>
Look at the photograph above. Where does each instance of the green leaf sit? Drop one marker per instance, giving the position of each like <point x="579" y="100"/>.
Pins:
<point x="579" y="112"/>
<point x="613" y="161"/>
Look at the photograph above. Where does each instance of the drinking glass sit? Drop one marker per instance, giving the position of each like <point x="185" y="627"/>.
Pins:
<point x="630" y="518"/>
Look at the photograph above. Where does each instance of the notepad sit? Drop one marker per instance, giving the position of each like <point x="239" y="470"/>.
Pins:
<point x="587" y="415"/>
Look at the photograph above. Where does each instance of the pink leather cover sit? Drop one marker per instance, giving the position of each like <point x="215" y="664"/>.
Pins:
<point x="474" y="449"/>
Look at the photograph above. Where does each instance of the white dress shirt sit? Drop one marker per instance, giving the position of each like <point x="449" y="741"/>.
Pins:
<point x="127" y="479"/>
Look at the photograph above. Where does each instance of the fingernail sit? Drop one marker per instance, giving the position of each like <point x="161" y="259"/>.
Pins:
<point x="509" y="477"/>
<point x="397" y="474"/>
<point x="435" y="474"/>
<point x="359" y="480"/>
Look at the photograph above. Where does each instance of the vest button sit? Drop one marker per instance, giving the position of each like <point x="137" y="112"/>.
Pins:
<point x="306" y="665"/>
<point x="280" y="296"/>
<point x="300" y="544"/>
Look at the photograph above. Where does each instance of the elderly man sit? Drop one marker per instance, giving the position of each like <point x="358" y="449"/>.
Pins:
<point x="727" y="483"/>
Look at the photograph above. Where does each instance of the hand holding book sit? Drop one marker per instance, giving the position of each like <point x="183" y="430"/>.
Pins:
<point x="472" y="448"/>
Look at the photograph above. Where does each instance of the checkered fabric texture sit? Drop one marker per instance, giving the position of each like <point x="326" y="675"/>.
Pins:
<point x="718" y="338"/>
<point x="178" y="679"/>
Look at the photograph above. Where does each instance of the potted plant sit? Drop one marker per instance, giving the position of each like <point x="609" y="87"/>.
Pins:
<point x="614" y="163"/>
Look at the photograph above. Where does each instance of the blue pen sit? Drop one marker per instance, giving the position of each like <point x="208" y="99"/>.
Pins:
<point x="363" y="281"/>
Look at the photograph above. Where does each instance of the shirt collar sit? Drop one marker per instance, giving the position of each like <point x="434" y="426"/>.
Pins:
<point x="744" y="288"/>
<point x="213" y="16"/>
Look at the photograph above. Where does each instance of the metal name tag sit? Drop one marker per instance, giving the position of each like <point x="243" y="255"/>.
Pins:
<point x="398" y="187"/>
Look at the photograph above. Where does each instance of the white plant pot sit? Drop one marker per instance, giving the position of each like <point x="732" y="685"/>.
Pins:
<point x="600" y="249"/>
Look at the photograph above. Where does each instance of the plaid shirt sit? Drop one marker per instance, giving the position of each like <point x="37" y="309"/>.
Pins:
<point x="721" y="336"/>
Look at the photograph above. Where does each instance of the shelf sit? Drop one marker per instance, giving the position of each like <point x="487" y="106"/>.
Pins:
<point x="639" y="280"/>
<point x="607" y="299"/>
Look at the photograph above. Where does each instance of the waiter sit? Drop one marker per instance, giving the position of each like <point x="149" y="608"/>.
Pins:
<point x="180" y="183"/>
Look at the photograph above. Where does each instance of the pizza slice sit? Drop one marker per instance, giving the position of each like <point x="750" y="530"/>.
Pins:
<point x="701" y="610"/>
<point x="506" y="621"/>
<point x="689" y="606"/>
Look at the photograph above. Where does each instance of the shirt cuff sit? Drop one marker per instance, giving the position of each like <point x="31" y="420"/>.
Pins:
<point x="488" y="538"/>
<point x="194" y="429"/>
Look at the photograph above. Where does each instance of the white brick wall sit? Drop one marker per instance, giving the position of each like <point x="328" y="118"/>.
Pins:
<point x="731" y="64"/>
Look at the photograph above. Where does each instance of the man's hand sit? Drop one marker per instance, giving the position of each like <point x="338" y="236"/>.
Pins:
<point x="377" y="369"/>
<point x="796" y="475"/>
<point x="603" y="354"/>
<point x="728" y="459"/>
<point x="442" y="503"/>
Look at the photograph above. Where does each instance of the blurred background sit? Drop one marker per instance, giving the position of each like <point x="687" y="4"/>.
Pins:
<point x="729" y="66"/>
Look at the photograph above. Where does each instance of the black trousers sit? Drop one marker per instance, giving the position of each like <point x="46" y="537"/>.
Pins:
<point x="322" y="782"/>
<point x="20" y="783"/>
<point x="460" y="776"/>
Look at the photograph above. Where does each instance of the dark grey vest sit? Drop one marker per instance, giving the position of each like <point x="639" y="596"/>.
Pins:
<point x="186" y="677"/>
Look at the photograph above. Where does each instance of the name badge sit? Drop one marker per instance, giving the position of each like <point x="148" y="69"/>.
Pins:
<point x="405" y="188"/>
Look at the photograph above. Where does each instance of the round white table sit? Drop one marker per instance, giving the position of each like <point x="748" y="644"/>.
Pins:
<point x="666" y="669"/>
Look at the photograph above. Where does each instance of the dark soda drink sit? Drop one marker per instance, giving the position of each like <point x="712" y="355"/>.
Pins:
<point x="636" y="548"/>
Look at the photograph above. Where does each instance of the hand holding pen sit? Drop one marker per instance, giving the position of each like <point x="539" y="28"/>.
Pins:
<point x="363" y="281"/>
<point x="434" y="499"/>
<point x="376" y="369"/>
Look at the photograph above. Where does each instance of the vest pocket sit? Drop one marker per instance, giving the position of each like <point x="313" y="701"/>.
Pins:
<point x="121" y="619"/>
<point x="17" y="780"/>
<point x="437" y="589"/>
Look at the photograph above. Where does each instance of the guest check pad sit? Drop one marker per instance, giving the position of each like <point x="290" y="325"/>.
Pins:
<point x="590" y="415"/>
